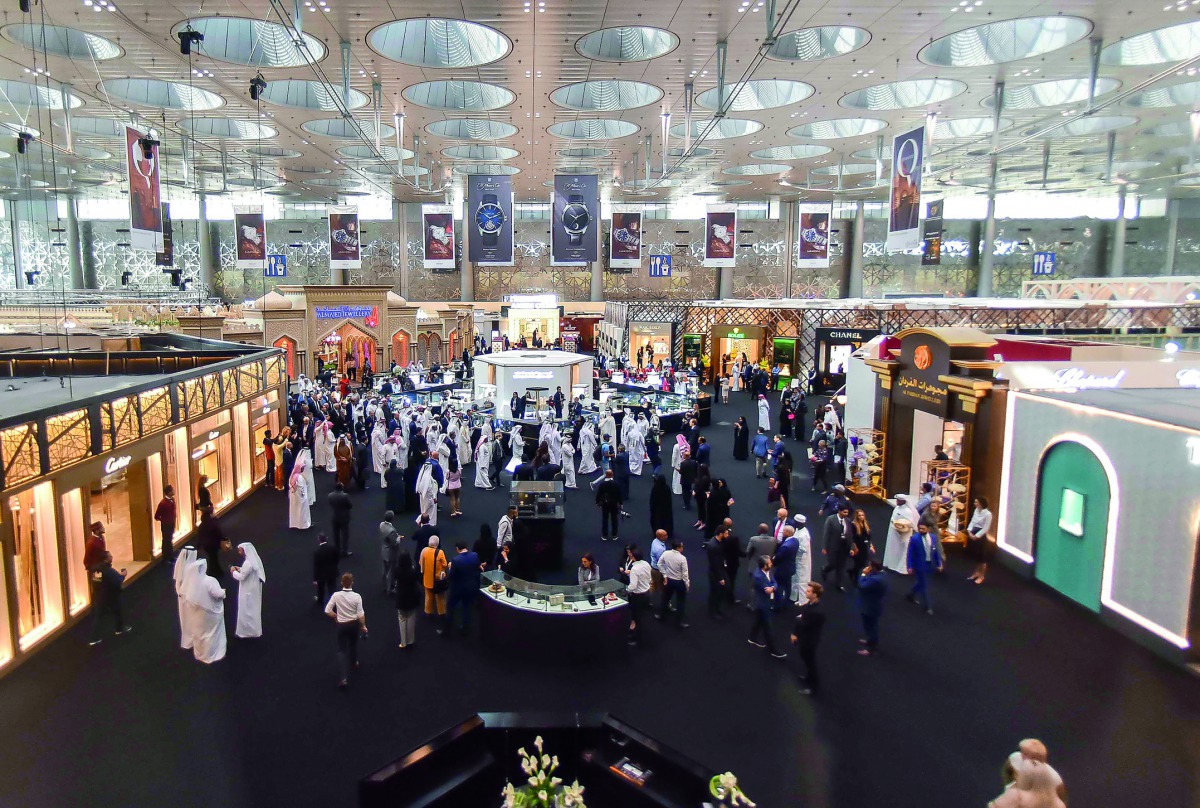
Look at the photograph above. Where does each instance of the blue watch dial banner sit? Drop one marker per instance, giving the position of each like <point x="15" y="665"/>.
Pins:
<point x="575" y="219"/>
<point x="489" y="220"/>
<point x="625" y="237"/>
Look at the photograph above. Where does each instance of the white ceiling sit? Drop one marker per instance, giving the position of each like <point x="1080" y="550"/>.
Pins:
<point x="527" y="69"/>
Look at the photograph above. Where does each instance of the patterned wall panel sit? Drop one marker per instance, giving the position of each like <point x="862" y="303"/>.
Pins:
<point x="111" y="260"/>
<point x="690" y="280"/>
<point x="762" y="259"/>
<point x="531" y="272"/>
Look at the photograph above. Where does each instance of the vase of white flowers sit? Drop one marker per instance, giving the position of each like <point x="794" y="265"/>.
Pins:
<point x="541" y="788"/>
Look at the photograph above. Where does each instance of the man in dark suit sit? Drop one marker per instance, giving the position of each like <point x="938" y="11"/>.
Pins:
<point x="837" y="538"/>
<point x="784" y="565"/>
<point x="765" y="591"/>
<point x="557" y="401"/>
<point x="547" y="472"/>
<point x="872" y="587"/>
<point x="608" y="497"/>
<point x="524" y="472"/>
<point x="703" y="452"/>
<point x="733" y="559"/>
<point x="620" y="467"/>
<point x="362" y="464"/>
<point x="924" y="556"/>
<point x="325" y="569"/>
<point x="339" y="506"/>
<point x="422" y="535"/>
<point x="718" y="574"/>
<point x="806" y="636"/>
<point x="688" y="469"/>
<point x="464" y="587"/>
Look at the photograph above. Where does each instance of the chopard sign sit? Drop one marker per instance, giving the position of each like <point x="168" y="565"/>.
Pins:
<point x="1080" y="379"/>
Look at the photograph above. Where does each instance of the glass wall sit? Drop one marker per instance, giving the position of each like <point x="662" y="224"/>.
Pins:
<point x="35" y="563"/>
<point x="212" y="459"/>
<point x="179" y="475"/>
<point x="266" y="417"/>
<point x="241" y="443"/>
<point x="79" y="592"/>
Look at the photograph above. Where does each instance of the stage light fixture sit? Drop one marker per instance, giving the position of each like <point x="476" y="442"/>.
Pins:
<point x="187" y="38"/>
<point x="25" y="5"/>
<point x="147" y="144"/>
<point x="257" y="85"/>
<point x="126" y="277"/>
<point x="23" y="139"/>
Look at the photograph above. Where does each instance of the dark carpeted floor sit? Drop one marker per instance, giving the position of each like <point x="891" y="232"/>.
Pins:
<point x="137" y="722"/>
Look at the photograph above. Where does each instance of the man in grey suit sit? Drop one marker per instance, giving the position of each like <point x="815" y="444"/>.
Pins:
<point x="836" y="550"/>
<point x="763" y="544"/>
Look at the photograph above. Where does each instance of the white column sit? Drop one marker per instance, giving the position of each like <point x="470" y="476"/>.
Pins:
<point x="1172" y="235"/>
<point x="597" y="288"/>
<point x="209" y="259"/>
<point x="987" y="257"/>
<point x="401" y="216"/>
<point x="1116" y="264"/>
<point x="74" y="244"/>
<point x="854" y="289"/>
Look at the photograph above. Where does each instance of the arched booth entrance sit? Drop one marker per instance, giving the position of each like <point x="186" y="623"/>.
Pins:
<point x="400" y="343"/>
<point x="1071" y="524"/>
<point x="344" y="342"/>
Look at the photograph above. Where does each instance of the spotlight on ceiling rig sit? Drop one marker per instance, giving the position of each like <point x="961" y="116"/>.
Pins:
<point x="25" y="6"/>
<point x="126" y="277"/>
<point x="257" y="85"/>
<point x="186" y="38"/>
<point x="147" y="144"/>
<point x="23" y="139"/>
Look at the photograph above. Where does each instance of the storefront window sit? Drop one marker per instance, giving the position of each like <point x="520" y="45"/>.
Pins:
<point x="123" y="500"/>
<point x="35" y="563"/>
<point x="79" y="591"/>
<point x="266" y="417"/>
<point x="212" y="459"/>
<point x="179" y="475"/>
<point x="6" y="651"/>
<point x="241" y="442"/>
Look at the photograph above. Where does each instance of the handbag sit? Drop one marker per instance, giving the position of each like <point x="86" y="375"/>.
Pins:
<point x="440" y="585"/>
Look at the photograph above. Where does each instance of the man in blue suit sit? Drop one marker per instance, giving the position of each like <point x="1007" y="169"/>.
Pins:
<point x="463" y="576"/>
<point x="924" y="555"/>
<point x="784" y="565"/>
<point x="872" y="587"/>
<point x="766" y="590"/>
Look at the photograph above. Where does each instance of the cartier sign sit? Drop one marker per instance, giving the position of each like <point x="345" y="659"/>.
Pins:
<point x="115" y="464"/>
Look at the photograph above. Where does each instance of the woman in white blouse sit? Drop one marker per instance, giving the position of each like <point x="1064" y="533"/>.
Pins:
<point x="977" y="539"/>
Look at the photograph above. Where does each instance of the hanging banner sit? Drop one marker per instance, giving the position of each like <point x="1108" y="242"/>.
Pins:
<point x="720" y="235"/>
<point x="904" y="212"/>
<point x="437" y="228"/>
<point x="931" y="251"/>
<point x="345" y="251"/>
<point x="625" y="237"/>
<point x="166" y="256"/>
<point x="490" y="233"/>
<point x="145" y="194"/>
<point x="814" y="235"/>
<point x="574" y="214"/>
<point x="250" y="236"/>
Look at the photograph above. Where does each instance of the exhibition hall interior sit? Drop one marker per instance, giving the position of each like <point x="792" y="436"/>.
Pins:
<point x="552" y="403"/>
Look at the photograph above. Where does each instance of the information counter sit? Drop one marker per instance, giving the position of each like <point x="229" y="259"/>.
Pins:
<point x="571" y="620"/>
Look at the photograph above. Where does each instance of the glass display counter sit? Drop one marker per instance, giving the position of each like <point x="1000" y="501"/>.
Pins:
<point x="518" y="593"/>
<point x="671" y="407"/>
<point x="537" y="499"/>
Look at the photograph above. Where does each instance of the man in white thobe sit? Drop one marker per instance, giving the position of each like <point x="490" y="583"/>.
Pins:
<point x="250" y="577"/>
<point x="378" y="439"/>
<point x="764" y="414"/>
<point x="483" y="463"/>
<point x="206" y="609"/>
<point x="187" y="557"/>
<point x="427" y="490"/>
<point x="895" y="555"/>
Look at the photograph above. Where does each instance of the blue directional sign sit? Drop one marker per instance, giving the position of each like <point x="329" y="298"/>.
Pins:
<point x="660" y="266"/>
<point x="276" y="266"/>
<point x="1043" y="263"/>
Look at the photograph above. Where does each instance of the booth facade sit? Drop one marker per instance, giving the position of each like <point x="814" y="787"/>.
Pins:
<point x="105" y="455"/>
<point x="1101" y="502"/>
<point x="531" y="373"/>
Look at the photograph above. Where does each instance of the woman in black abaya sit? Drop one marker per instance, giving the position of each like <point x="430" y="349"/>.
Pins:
<point x="661" y="509"/>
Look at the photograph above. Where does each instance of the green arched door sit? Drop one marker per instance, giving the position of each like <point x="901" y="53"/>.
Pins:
<point x="1072" y="522"/>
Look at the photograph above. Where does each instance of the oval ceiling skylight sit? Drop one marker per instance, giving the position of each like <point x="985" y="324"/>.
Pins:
<point x="309" y="95"/>
<point x="1171" y="129"/>
<point x="847" y="169"/>
<point x="480" y="152"/>
<point x="471" y="129"/>
<point x="697" y="152"/>
<point x="837" y="129"/>
<point x="1051" y="93"/>
<point x="626" y="44"/>
<point x="606" y="95"/>
<point x="227" y="128"/>
<point x="487" y="168"/>
<point x="408" y="170"/>
<point x="1175" y="43"/>
<point x="255" y="43"/>
<point x="822" y="42"/>
<point x="368" y="153"/>
<point x="331" y="182"/>
<point x="593" y="129"/>
<point x="1004" y="41"/>
<point x="903" y="94"/>
<point x="1177" y="95"/>
<point x="798" y="152"/>
<point x="163" y="94"/>
<point x="439" y="43"/>
<point x="872" y="154"/>
<point x="729" y="183"/>
<point x="756" y="169"/>
<point x="584" y="152"/>
<point x="272" y="151"/>
<point x="96" y="127"/>
<point x="67" y="43"/>
<point x="23" y="96"/>
<point x="721" y="129"/>
<point x="1096" y="125"/>
<point x="967" y="127"/>
<point x="462" y="96"/>
<point x="757" y="94"/>
<point x="342" y="129"/>
<point x="569" y="168"/>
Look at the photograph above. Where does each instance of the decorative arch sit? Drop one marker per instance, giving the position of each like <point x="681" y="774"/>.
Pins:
<point x="353" y="340"/>
<point x="401" y="344"/>
<point x="435" y="349"/>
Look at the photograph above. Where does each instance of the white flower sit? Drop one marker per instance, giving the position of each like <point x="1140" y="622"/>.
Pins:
<point x="555" y="782"/>
<point x="545" y="761"/>
<point x="533" y="781"/>
<point x="542" y="796"/>
<point x="554" y="762"/>
<point x="521" y="752"/>
<point x="538" y="742"/>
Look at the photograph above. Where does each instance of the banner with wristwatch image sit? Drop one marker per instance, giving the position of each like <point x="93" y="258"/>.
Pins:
<point x="813" y="252"/>
<point x="250" y="236"/>
<point x="490" y="220"/>
<point x="437" y="229"/>
<point x="720" y="236"/>
<point x="574" y="214"/>
<point x="345" y="240"/>
<point x="625" y="237"/>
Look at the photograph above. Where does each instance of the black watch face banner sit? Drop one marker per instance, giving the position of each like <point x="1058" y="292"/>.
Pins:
<point x="575" y="219"/>
<point x="489" y="220"/>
